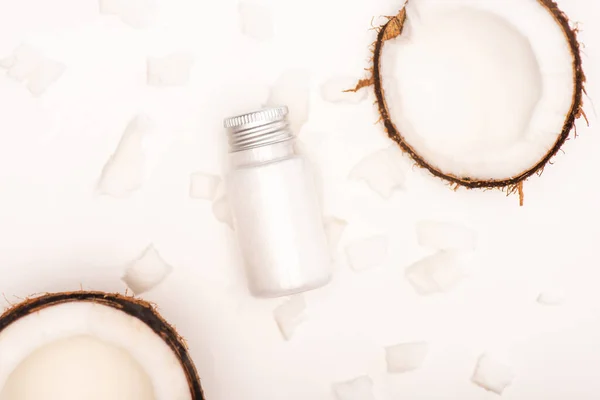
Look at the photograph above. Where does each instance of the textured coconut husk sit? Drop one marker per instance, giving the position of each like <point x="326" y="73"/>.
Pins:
<point x="140" y="309"/>
<point x="511" y="185"/>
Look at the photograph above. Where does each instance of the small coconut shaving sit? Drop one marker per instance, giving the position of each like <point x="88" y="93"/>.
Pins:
<point x="290" y="315"/>
<point x="492" y="375"/>
<point x="554" y="297"/>
<point x="405" y="357"/>
<point x="446" y="235"/>
<point x="135" y="13"/>
<point x="383" y="171"/>
<point x="170" y="70"/>
<point x="147" y="271"/>
<point x="255" y="21"/>
<point x="220" y="207"/>
<point x="204" y="186"/>
<point x="222" y="211"/>
<point x="292" y="88"/>
<point x="436" y="273"/>
<point x="360" y="388"/>
<point x="367" y="253"/>
<point x="123" y="173"/>
<point x="335" y="90"/>
<point x="29" y="65"/>
<point x="334" y="228"/>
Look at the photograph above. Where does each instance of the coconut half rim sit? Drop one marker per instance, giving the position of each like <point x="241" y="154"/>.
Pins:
<point x="407" y="104"/>
<point x="57" y="340"/>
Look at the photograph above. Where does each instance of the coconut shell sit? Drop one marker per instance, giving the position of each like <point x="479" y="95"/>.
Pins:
<point x="142" y="310"/>
<point x="511" y="184"/>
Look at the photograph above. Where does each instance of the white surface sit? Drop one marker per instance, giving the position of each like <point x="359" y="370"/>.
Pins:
<point x="170" y="70"/>
<point x="442" y="235"/>
<point x="55" y="234"/>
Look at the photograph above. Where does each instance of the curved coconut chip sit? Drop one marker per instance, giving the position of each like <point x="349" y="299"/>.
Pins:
<point x="133" y="307"/>
<point x="513" y="184"/>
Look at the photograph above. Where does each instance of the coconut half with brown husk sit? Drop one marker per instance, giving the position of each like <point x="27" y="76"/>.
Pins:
<point x="92" y="345"/>
<point x="480" y="93"/>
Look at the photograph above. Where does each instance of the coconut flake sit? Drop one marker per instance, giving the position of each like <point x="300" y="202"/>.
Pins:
<point x="147" y="271"/>
<point x="220" y="207"/>
<point x="292" y="90"/>
<point x="204" y="186"/>
<point x="255" y="21"/>
<point x="123" y="173"/>
<point x="360" y="388"/>
<point x="405" y="357"/>
<point x="436" y="273"/>
<point x="222" y="211"/>
<point x="29" y="65"/>
<point x="445" y="235"/>
<point x="367" y="253"/>
<point x="47" y="72"/>
<point x="135" y="13"/>
<point x="492" y="375"/>
<point x="290" y="315"/>
<point x="334" y="91"/>
<point x="170" y="70"/>
<point x="551" y="298"/>
<point x="334" y="228"/>
<point x="383" y="171"/>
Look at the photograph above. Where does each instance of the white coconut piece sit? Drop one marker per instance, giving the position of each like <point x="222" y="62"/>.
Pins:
<point x="445" y="80"/>
<point x="405" y="357"/>
<point x="290" y="315"/>
<point x="29" y="65"/>
<point x="383" y="171"/>
<point x="47" y="72"/>
<point x="204" y="186"/>
<point x="170" y="70"/>
<point x="367" y="253"/>
<point x="23" y="62"/>
<point x="123" y="173"/>
<point x="135" y="13"/>
<point x="334" y="229"/>
<point x="360" y="388"/>
<point x="83" y="350"/>
<point x="147" y="271"/>
<point x="255" y="20"/>
<point x="446" y="235"/>
<point x="436" y="273"/>
<point x="222" y="211"/>
<point x="492" y="375"/>
<point x="292" y="89"/>
<point x="553" y="297"/>
<point x="334" y="91"/>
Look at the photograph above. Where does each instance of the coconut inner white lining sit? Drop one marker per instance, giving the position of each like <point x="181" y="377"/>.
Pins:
<point x="83" y="321"/>
<point x="479" y="88"/>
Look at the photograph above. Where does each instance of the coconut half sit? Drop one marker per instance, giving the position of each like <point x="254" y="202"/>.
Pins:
<point x="481" y="93"/>
<point x="92" y="345"/>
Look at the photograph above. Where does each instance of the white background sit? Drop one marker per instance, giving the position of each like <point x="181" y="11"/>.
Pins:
<point x="56" y="234"/>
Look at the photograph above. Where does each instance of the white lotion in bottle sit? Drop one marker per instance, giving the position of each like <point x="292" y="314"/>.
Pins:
<point x="275" y="207"/>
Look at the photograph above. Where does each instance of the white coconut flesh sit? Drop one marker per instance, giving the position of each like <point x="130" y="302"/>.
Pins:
<point x="82" y="350"/>
<point x="479" y="88"/>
